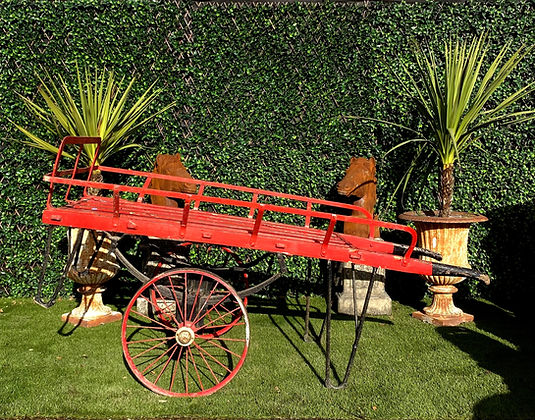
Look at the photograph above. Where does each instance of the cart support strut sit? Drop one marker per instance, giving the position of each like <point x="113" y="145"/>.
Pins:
<point x="39" y="294"/>
<point x="359" y="324"/>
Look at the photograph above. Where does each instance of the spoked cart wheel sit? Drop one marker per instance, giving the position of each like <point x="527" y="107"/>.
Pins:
<point x="185" y="333"/>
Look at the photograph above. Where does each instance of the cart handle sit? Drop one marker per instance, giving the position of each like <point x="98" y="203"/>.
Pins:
<point x="77" y="140"/>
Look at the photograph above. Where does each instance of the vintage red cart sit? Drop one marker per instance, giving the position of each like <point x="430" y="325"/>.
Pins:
<point x="193" y="334"/>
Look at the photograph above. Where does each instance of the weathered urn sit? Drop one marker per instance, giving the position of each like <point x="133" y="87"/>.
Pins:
<point x="449" y="237"/>
<point x="93" y="265"/>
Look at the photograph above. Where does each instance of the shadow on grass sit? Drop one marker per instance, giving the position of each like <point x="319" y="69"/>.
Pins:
<point x="68" y="328"/>
<point x="294" y="345"/>
<point x="513" y="361"/>
<point x="510" y="256"/>
<point x="293" y="318"/>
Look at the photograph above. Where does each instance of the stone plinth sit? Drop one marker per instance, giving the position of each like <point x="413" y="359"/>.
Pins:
<point x="380" y="303"/>
<point x="166" y="306"/>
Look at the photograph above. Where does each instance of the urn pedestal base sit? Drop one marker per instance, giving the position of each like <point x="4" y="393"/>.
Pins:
<point x="91" y="312"/>
<point x="442" y="311"/>
<point x="442" y="320"/>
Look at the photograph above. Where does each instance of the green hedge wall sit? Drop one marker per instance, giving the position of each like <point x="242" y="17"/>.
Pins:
<point x="262" y="91"/>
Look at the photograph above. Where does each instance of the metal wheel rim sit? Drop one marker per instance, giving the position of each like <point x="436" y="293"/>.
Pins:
<point x="209" y="361"/>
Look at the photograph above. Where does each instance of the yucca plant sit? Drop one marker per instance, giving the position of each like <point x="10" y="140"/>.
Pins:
<point x="99" y="108"/>
<point x="454" y="100"/>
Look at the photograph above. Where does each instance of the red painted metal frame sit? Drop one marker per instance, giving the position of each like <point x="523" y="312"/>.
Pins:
<point x="116" y="214"/>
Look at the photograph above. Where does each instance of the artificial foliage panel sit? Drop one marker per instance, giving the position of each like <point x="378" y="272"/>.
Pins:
<point x="264" y="93"/>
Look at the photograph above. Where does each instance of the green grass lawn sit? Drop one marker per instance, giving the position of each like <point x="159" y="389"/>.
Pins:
<point x="405" y="369"/>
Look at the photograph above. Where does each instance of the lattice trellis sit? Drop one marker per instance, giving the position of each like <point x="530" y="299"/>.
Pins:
<point x="263" y="91"/>
<point x="210" y="90"/>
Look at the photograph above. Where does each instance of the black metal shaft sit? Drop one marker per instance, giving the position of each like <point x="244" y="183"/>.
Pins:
<point x="328" y="303"/>
<point x="400" y="249"/>
<point x="306" y="334"/>
<point x="440" y="269"/>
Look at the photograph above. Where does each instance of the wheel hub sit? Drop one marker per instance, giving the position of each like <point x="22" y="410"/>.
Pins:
<point x="185" y="336"/>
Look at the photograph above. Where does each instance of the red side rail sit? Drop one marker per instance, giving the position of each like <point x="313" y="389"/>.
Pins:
<point x="302" y="206"/>
<point x="80" y="141"/>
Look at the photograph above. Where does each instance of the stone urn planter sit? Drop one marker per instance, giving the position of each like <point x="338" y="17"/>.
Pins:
<point x="93" y="266"/>
<point x="449" y="237"/>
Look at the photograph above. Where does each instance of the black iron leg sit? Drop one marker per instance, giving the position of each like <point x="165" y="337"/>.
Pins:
<point x="359" y="324"/>
<point x="324" y="272"/>
<point x="39" y="294"/>
<point x="306" y="334"/>
<point x="327" y="324"/>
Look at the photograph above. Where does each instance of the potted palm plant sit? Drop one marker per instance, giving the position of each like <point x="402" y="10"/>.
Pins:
<point x="101" y="111"/>
<point x="454" y="101"/>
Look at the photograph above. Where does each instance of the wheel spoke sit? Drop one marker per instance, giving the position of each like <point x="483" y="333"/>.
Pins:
<point x="159" y="357"/>
<point x="177" y="362"/>
<point x="217" y="311"/>
<point x="213" y="358"/>
<point x="185" y="296"/>
<point x="210" y="310"/>
<point x="208" y="366"/>
<point x="196" y="297"/>
<point x="148" y="340"/>
<point x="196" y="320"/>
<point x="146" y="327"/>
<point x="195" y="367"/>
<point x="176" y="298"/>
<point x="222" y="326"/>
<point x="167" y="306"/>
<point x="224" y="315"/>
<point x="149" y="349"/>
<point x="165" y="366"/>
<point x="219" y="346"/>
<point x="153" y="320"/>
<point x="240" y="340"/>
<point x="186" y="376"/>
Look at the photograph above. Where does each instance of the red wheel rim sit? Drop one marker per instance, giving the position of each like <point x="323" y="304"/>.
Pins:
<point x="176" y="346"/>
